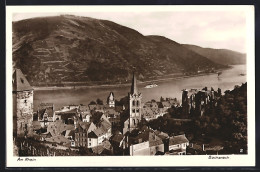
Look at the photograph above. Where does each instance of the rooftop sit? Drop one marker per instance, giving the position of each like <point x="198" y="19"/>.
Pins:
<point x="178" y="140"/>
<point x="20" y="83"/>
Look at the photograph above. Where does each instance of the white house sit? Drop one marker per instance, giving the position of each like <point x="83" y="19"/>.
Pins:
<point x="178" y="145"/>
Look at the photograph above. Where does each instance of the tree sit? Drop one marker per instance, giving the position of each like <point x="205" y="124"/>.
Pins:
<point x="161" y="99"/>
<point x="99" y="101"/>
<point x="92" y="103"/>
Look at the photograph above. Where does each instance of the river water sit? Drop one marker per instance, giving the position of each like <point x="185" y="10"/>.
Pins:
<point x="167" y="88"/>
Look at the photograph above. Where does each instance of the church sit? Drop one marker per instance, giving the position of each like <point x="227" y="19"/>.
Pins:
<point x="135" y="108"/>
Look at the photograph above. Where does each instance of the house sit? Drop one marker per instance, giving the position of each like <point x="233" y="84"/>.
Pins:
<point x="106" y="126"/>
<point x="92" y="139"/>
<point x="99" y="129"/>
<point x="68" y="116"/>
<point x="84" y="113"/>
<point x="116" y="141"/>
<point x="96" y="137"/>
<point x="88" y="126"/>
<point x="97" y="117"/>
<point x="80" y="137"/>
<point x="45" y="114"/>
<point x="58" y="127"/>
<point x="111" y="113"/>
<point x="146" y="143"/>
<point x="105" y="148"/>
<point x="59" y="139"/>
<point x="178" y="145"/>
<point x="101" y="134"/>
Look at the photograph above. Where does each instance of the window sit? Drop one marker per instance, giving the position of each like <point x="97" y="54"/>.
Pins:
<point x="133" y="103"/>
<point x="137" y="103"/>
<point x="137" y="110"/>
<point x="134" y="121"/>
<point x="133" y="110"/>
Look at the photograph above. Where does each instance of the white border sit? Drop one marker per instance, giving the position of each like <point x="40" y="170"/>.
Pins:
<point x="116" y="161"/>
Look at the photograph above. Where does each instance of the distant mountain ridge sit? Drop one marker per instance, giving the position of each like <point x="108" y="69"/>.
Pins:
<point x="66" y="49"/>
<point x="221" y="56"/>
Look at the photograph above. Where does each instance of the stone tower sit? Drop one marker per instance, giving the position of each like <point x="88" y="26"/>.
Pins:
<point x="185" y="102"/>
<point x="22" y="104"/>
<point x="134" y="105"/>
<point x="111" y="100"/>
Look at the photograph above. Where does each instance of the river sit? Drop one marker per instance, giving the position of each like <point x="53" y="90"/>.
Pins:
<point x="167" y="88"/>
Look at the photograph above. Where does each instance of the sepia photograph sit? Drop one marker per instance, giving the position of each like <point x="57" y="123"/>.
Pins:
<point x="163" y="84"/>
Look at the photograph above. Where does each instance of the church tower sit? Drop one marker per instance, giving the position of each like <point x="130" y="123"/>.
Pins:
<point x="22" y="104"/>
<point x="111" y="100"/>
<point x="134" y="105"/>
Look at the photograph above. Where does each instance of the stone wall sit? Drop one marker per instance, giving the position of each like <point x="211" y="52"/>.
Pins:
<point x="23" y="112"/>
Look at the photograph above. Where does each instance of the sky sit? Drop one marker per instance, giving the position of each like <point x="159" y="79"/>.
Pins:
<point x="213" y="29"/>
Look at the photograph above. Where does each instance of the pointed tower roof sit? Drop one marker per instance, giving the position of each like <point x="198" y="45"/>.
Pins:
<point x="134" y="87"/>
<point x="111" y="96"/>
<point x="20" y="83"/>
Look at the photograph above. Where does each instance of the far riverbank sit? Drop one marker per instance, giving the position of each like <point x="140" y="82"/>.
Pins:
<point x="169" y="77"/>
<point x="167" y="87"/>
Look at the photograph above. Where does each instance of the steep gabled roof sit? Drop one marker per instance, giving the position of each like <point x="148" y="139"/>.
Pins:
<point x="84" y="125"/>
<point x="92" y="135"/>
<point x="48" y="110"/>
<point x="20" y="83"/>
<point x="99" y="132"/>
<point x="105" y="125"/>
<point x="111" y="96"/>
<point x="178" y="140"/>
<point x="117" y="137"/>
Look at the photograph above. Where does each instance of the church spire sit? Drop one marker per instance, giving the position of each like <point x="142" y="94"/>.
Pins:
<point x="134" y="87"/>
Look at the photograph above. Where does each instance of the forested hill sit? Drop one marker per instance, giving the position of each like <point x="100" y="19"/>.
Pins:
<point x="221" y="56"/>
<point x="66" y="48"/>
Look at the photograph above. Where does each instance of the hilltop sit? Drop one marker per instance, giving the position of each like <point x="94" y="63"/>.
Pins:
<point x="65" y="49"/>
<point x="221" y="56"/>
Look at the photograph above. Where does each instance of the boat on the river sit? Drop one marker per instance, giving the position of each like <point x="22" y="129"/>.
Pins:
<point x="151" y="85"/>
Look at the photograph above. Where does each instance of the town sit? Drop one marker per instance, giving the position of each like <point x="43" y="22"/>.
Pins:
<point x="126" y="127"/>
